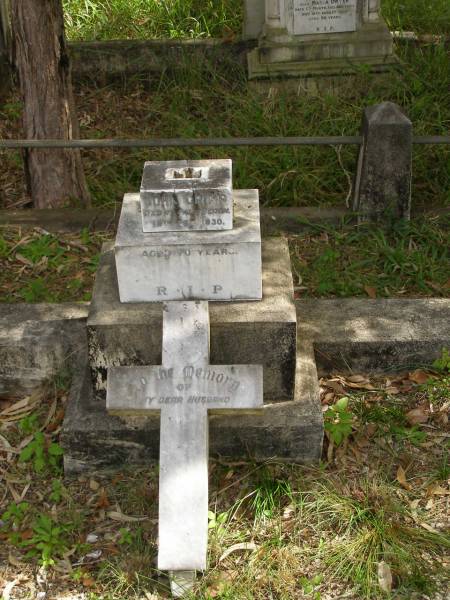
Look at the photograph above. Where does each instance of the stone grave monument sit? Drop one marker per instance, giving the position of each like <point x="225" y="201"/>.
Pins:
<point x="316" y="41"/>
<point x="192" y="265"/>
<point x="192" y="350"/>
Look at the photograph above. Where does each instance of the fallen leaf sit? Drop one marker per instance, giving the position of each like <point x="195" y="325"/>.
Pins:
<point x="26" y="534"/>
<point x="117" y="516"/>
<point x="357" y="379"/>
<point x="384" y="577"/>
<point x="437" y="490"/>
<point x="334" y="385"/>
<point x="401" y="478"/>
<point x="6" y="594"/>
<point x="288" y="512"/>
<point x="14" y="561"/>
<point x="103" y="501"/>
<point x="419" y="376"/>
<point x="392" y="390"/>
<point x="371" y="429"/>
<point x="416" y="416"/>
<point x="429" y="528"/>
<point x="23" y="260"/>
<point x="328" y="398"/>
<point x="370" y="291"/>
<point x="88" y="581"/>
<point x="94" y="485"/>
<point x="249" y="546"/>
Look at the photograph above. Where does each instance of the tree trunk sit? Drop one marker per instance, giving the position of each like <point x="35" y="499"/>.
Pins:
<point x="54" y="177"/>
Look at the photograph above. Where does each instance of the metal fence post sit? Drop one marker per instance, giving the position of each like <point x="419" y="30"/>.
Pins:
<point x="382" y="188"/>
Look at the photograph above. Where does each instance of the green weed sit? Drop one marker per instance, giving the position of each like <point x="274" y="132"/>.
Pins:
<point x="45" y="246"/>
<point x="29" y="424"/>
<point x="49" y="540"/>
<point x="41" y="454"/>
<point x="217" y="522"/>
<point x="37" y="290"/>
<point x="14" y="514"/>
<point x="309" y="586"/>
<point x="443" y="363"/>
<point x="338" y="421"/>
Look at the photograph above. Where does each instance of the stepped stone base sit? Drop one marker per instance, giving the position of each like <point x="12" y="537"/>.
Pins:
<point x="260" y="333"/>
<point x="292" y="431"/>
<point x="317" y="62"/>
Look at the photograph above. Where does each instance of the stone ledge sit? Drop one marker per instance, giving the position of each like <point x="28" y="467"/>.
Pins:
<point x="36" y="341"/>
<point x="365" y="335"/>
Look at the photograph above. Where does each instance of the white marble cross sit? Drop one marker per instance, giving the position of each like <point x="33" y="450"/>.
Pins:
<point x="185" y="389"/>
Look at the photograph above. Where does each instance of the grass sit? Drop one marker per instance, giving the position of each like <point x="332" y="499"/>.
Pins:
<point x="213" y="99"/>
<point x="141" y="19"/>
<point x="276" y="530"/>
<point x="420" y="16"/>
<point x="39" y="267"/>
<point x="406" y="259"/>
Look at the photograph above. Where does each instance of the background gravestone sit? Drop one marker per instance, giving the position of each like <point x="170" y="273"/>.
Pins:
<point x="316" y="41"/>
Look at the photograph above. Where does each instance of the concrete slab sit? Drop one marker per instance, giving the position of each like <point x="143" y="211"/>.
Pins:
<point x="190" y="265"/>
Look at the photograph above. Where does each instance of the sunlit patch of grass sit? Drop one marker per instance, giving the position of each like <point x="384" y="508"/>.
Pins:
<point x="41" y="267"/>
<point x="138" y="19"/>
<point x="371" y="526"/>
<point x="381" y="261"/>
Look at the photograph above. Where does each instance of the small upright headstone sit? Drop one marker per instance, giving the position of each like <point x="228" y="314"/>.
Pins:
<point x="382" y="188"/>
<point x="316" y="41"/>
<point x="183" y="195"/>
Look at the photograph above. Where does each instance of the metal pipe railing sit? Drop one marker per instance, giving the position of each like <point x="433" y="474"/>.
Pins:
<point x="207" y="142"/>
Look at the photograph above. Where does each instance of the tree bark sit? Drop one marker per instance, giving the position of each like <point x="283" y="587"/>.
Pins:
<point x="55" y="178"/>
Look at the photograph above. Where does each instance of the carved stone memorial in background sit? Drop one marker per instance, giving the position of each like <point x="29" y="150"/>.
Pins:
<point x="316" y="41"/>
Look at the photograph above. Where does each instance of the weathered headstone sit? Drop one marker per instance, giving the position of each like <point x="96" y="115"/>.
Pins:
<point x="316" y="41"/>
<point x="184" y="265"/>
<point x="382" y="188"/>
<point x="184" y="389"/>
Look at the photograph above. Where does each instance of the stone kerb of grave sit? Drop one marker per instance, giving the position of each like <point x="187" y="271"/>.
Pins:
<point x="187" y="195"/>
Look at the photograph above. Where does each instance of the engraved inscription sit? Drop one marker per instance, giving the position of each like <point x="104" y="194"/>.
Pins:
<point x="186" y="378"/>
<point x="323" y="16"/>
<point x="179" y="252"/>
<point x="168" y="208"/>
